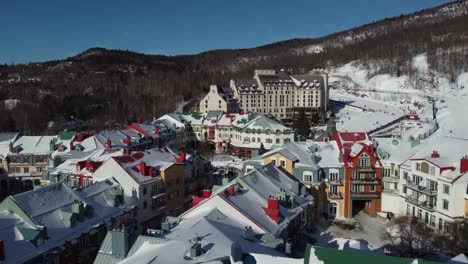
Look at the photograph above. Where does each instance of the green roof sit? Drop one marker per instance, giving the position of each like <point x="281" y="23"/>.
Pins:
<point x="66" y="135"/>
<point x="29" y="234"/>
<point x="196" y="115"/>
<point x="329" y="255"/>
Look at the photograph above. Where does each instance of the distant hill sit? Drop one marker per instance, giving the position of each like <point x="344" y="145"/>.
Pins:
<point x="107" y="87"/>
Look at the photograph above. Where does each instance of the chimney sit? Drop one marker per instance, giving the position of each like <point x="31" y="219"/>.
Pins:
<point x="230" y="191"/>
<point x="206" y="193"/>
<point x="89" y="165"/>
<point x="2" y="250"/>
<point x="248" y="233"/>
<point x="181" y="157"/>
<point x="435" y="154"/>
<point x="150" y="171"/>
<point x="72" y="147"/>
<point x="139" y="120"/>
<point x="156" y="131"/>
<point x="79" y="137"/>
<point x="108" y="143"/>
<point x="143" y="168"/>
<point x="195" y="250"/>
<point x="464" y="164"/>
<point x="127" y="140"/>
<point x="119" y="241"/>
<point x="127" y="151"/>
<point x="273" y="203"/>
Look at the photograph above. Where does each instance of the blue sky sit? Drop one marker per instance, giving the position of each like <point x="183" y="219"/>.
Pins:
<point x="39" y="30"/>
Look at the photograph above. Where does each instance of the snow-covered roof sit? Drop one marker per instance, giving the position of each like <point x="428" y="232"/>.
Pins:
<point x="322" y="154"/>
<point x="398" y="150"/>
<point x="5" y="139"/>
<point x="46" y="206"/>
<point x="264" y="123"/>
<point x="33" y="145"/>
<point x="450" y="152"/>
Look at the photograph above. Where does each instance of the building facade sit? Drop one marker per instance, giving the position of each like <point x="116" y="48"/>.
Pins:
<point x="218" y="99"/>
<point x="363" y="174"/>
<point x="282" y="94"/>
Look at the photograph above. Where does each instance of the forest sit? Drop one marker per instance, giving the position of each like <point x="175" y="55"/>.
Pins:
<point x="109" y="88"/>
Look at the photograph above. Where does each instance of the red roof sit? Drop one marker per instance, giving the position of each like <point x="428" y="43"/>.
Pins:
<point x="353" y="136"/>
<point x="125" y="159"/>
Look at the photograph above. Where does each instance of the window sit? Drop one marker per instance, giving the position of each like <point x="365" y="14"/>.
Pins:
<point x="308" y="176"/>
<point x="26" y="169"/>
<point x="445" y="204"/>
<point x="277" y="141"/>
<point x="354" y="175"/>
<point x="282" y="163"/>
<point x="386" y="172"/>
<point x="273" y="162"/>
<point x="334" y="189"/>
<point x="418" y="166"/>
<point x="357" y="188"/>
<point x="446" y="189"/>
<point x="372" y="188"/>
<point x="364" y="161"/>
<point x="334" y="176"/>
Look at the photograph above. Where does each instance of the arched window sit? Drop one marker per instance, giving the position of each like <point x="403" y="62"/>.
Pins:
<point x="364" y="161"/>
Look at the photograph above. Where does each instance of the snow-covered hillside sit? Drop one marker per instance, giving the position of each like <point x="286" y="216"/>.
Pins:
<point x="353" y="82"/>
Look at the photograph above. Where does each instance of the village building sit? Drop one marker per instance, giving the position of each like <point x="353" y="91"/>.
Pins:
<point x="363" y="174"/>
<point x="318" y="166"/>
<point x="434" y="183"/>
<point x="393" y="152"/>
<point x="162" y="181"/>
<point x="282" y="94"/>
<point x="219" y="100"/>
<point x="56" y="224"/>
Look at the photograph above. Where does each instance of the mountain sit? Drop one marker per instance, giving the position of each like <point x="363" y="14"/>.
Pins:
<point x="107" y="87"/>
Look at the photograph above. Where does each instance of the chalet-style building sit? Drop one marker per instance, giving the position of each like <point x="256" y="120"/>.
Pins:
<point x="277" y="203"/>
<point x="219" y="100"/>
<point x="282" y="94"/>
<point x="434" y="183"/>
<point x="318" y="166"/>
<point x="363" y="174"/>
<point x="56" y="224"/>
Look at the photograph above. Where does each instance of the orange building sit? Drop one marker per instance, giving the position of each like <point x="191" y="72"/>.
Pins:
<point x="363" y="174"/>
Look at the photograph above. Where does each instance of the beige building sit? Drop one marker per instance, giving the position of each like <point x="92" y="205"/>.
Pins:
<point x="218" y="99"/>
<point x="282" y="94"/>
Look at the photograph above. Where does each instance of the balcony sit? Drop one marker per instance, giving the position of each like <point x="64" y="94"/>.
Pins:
<point x="390" y="178"/>
<point x="366" y="181"/>
<point x="364" y="195"/>
<point x="390" y="191"/>
<point x="366" y="169"/>
<point x="423" y="204"/>
<point x="338" y="195"/>
<point x="421" y="189"/>
<point x="335" y="182"/>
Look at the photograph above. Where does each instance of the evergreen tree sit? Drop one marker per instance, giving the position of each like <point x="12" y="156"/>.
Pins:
<point x="301" y="124"/>
<point x="262" y="149"/>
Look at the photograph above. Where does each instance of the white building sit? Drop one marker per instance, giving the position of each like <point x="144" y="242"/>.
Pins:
<point x="434" y="182"/>
<point x="218" y="99"/>
<point x="282" y="94"/>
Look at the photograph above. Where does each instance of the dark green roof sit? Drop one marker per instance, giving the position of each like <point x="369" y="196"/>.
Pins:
<point x="329" y="255"/>
<point x="66" y="135"/>
<point x="29" y="234"/>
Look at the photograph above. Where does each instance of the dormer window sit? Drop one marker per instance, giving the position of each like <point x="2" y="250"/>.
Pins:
<point x="364" y="161"/>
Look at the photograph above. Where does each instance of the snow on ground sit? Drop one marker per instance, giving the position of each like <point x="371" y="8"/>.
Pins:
<point x="224" y="161"/>
<point x="352" y="80"/>
<point x="366" y="235"/>
<point x="358" y="114"/>
<point x="315" y="49"/>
